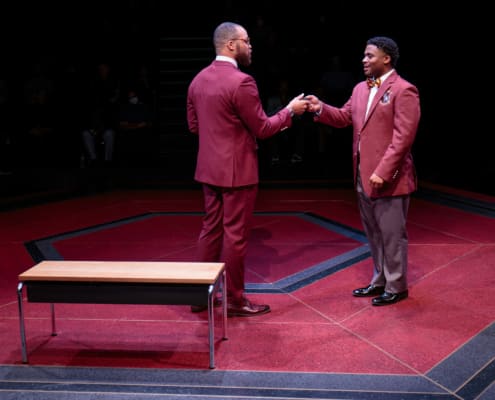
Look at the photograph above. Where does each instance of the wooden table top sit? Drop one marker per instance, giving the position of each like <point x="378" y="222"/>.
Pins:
<point x="124" y="272"/>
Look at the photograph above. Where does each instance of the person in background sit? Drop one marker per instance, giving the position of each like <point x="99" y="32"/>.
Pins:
<point x="136" y="142"/>
<point x="134" y="114"/>
<point x="224" y="109"/>
<point x="101" y="112"/>
<point x="384" y="111"/>
<point x="98" y="130"/>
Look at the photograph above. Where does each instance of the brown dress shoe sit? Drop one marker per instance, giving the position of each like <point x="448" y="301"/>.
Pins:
<point x="245" y="308"/>
<point x="370" y="290"/>
<point x="217" y="302"/>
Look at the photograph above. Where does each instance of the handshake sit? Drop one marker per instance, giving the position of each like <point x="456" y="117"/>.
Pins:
<point x="300" y="104"/>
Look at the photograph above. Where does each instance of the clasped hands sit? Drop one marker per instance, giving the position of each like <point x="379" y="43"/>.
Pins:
<point x="300" y="104"/>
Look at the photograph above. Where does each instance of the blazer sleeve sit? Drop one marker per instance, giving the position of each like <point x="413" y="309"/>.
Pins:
<point x="192" y="119"/>
<point x="336" y="117"/>
<point x="250" y="109"/>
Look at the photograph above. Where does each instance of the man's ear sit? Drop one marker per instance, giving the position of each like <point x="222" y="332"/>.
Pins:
<point x="231" y="45"/>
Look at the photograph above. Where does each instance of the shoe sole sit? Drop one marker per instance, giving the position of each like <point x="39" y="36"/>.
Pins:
<point x="368" y="295"/>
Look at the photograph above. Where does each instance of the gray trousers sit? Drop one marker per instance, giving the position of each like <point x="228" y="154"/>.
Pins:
<point x="384" y="222"/>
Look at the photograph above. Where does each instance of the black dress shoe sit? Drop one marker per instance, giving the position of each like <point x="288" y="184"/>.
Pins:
<point x="370" y="290"/>
<point x="217" y="302"/>
<point x="389" y="298"/>
<point x="246" y="309"/>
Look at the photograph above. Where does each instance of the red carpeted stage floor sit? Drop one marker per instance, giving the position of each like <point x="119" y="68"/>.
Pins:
<point x="306" y="254"/>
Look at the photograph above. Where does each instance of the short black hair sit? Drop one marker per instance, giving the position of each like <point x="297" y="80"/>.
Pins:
<point x="224" y="32"/>
<point x="387" y="45"/>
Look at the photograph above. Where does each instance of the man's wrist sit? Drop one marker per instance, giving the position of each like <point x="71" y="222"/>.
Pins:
<point x="291" y="111"/>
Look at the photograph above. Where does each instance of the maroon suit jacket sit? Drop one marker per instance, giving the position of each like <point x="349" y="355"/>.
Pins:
<point x="224" y="108"/>
<point x="385" y="137"/>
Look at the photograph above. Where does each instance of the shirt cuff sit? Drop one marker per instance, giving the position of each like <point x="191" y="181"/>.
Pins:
<point x="318" y="113"/>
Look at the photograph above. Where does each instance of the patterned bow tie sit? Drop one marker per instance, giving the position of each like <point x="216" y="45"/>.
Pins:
<point x="374" y="82"/>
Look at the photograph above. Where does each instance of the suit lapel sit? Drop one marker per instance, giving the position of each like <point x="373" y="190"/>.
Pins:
<point x="382" y="90"/>
<point x="376" y="99"/>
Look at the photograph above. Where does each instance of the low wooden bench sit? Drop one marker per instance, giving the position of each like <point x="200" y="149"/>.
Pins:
<point x="124" y="282"/>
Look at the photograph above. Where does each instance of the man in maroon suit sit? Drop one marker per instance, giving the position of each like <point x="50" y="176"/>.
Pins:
<point x="224" y="109"/>
<point x="384" y="111"/>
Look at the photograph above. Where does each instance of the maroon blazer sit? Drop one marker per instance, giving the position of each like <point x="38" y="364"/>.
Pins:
<point x="386" y="135"/>
<point x="224" y="108"/>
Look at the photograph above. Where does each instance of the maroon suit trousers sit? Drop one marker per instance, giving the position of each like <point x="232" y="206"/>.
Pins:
<point x="225" y="231"/>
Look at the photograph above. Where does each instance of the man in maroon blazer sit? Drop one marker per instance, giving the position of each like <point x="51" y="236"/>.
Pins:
<point x="384" y="111"/>
<point x="224" y="109"/>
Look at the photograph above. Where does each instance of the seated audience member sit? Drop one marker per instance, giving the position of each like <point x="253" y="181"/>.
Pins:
<point x="98" y="131"/>
<point x="135" y="121"/>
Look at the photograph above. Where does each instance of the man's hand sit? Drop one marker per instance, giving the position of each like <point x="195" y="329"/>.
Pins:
<point x="376" y="182"/>
<point x="298" y="105"/>
<point x="314" y="103"/>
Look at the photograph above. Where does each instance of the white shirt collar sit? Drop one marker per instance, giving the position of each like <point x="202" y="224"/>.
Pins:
<point x="225" y="58"/>
<point x="383" y="77"/>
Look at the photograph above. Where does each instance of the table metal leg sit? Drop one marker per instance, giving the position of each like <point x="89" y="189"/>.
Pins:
<point x="21" y="322"/>
<point x="211" y="331"/>
<point x="224" y="304"/>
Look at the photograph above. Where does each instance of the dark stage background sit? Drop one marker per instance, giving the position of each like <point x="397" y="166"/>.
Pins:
<point x="454" y="142"/>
